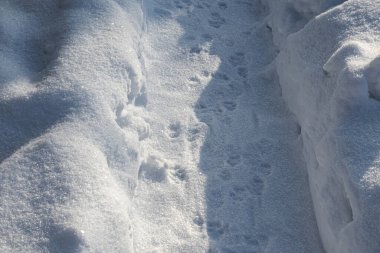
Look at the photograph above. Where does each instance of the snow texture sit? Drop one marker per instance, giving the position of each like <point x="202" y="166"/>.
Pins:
<point x="69" y="70"/>
<point x="289" y="16"/>
<point x="162" y="126"/>
<point x="329" y="74"/>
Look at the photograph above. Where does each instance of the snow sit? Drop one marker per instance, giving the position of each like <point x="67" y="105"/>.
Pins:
<point x="329" y="80"/>
<point x="289" y="16"/>
<point x="67" y="168"/>
<point x="189" y="126"/>
<point x="222" y="144"/>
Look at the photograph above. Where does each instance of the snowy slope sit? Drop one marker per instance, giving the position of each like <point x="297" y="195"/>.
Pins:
<point x="329" y="74"/>
<point x="68" y="68"/>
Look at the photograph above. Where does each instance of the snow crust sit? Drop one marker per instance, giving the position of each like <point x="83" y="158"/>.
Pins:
<point x="329" y="74"/>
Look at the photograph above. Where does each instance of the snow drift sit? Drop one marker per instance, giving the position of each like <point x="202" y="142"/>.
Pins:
<point x="69" y="70"/>
<point x="330" y="78"/>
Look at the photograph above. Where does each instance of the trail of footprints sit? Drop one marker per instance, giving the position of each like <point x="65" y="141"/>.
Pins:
<point x="242" y="179"/>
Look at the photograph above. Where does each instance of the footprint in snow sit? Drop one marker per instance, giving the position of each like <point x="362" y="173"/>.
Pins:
<point x="196" y="50"/>
<point x="265" y="169"/>
<point x="215" y="198"/>
<point x="129" y="120"/>
<point x="229" y="105"/>
<point x="238" y="193"/>
<point x="206" y="37"/>
<point x="174" y="130"/>
<point x="225" y="175"/>
<point x="233" y="160"/>
<point x="257" y="186"/>
<point x="198" y="220"/>
<point x="216" y="20"/>
<point x="66" y="240"/>
<point x="222" y="5"/>
<point x="153" y="170"/>
<point x="197" y="131"/>
<point x="237" y="59"/>
<point x="220" y="76"/>
<point x="179" y="172"/>
<point x="243" y="72"/>
<point x="216" y="229"/>
<point x="233" y="155"/>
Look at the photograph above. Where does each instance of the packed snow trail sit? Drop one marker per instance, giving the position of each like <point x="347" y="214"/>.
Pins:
<point x="223" y="168"/>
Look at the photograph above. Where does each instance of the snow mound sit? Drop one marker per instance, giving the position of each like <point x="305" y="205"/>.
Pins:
<point x="289" y="16"/>
<point x="329" y="74"/>
<point x="71" y="76"/>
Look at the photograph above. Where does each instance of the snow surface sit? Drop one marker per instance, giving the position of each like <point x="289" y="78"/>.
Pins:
<point x="329" y="74"/>
<point x="161" y="126"/>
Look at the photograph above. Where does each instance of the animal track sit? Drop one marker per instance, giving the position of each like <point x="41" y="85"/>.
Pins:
<point x="175" y="130"/>
<point x="229" y="43"/>
<point x="216" y="20"/>
<point x="250" y="240"/>
<point x="66" y="240"/>
<point x="257" y="186"/>
<point x="199" y="6"/>
<point x="237" y="59"/>
<point x="190" y="38"/>
<point x="180" y="173"/>
<point x="196" y="50"/>
<point x="222" y="5"/>
<point x="153" y="170"/>
<point x="141" y="100"/>
<point x="198" y="220"/>
<point x="215" y="198"/>
<point x="206" y="36"/>
<point x="128" y="120"/>
<point x="234" y="156"/>
<point x="220" y="76"/>
<point x="243" y="72"/>
<point x="234" y="89"/>
<point x="233" y="160"/>
<point x="229" y="105"/>
<point x="237" y="193"/>
<point x="187" y="2"/>
<point x="195" y="79"/>
<point x="196" y="131"/>
<point x="215" y="229"/>
<point x="225" y="175"/>
<point x="246" y="33"/>
<point x="265" y="169"/>
<point x="265" y="146"/>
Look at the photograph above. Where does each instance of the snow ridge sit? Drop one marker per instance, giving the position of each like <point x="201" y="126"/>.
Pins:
<point x="329" y="75"/>
<point x="68" y="165"/>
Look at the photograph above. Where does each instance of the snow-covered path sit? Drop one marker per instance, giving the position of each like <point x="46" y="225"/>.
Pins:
<point x="160" y="126"/>
<point x="223" y="168"/>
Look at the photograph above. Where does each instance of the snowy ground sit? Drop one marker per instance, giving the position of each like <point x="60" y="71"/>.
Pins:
<point x="233" y="177"/>
<point x="161" y="126"/>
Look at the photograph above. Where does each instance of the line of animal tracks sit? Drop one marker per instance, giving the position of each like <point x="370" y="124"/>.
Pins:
<point x="154" y="128"/>
<point x="223" y="168"/>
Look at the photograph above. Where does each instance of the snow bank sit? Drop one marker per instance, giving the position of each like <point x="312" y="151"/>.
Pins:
<point x="289" y="16"/>
<point x="330" y="77"/>
<point x="71" y="73"/>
